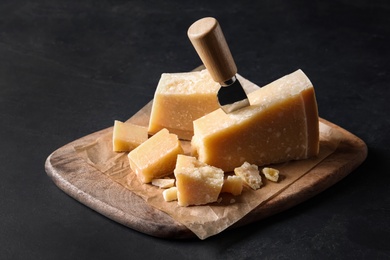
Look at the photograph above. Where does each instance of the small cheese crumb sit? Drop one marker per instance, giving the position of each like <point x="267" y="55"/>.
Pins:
<point x="250" y="174"/>
<point x="163" y="183"/>
<point x="170" y="194"/>
<point x="271" y="174"/>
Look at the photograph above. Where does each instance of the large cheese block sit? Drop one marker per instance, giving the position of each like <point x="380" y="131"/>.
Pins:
<point x="179" y="99"/>
<point x="197" y="183"/>
<point x="281" y="124"/>
<point x="156" y="157"/>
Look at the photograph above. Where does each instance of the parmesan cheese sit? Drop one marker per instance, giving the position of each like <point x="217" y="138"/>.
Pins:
<point x="197" y="183"/>
<point x="170" y="194"/>
<point x="271" y="174"/>
<point x="156" y="157"/>
<point x="250" y="174"/>
<point x="163" y="183"/>
<point x="233" y="184"/>
<point x="281" y="124"/>
<point x="126" y="136"/>
<point x="179" y="99"/>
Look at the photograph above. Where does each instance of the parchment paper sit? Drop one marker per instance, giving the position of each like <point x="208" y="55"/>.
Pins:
<point x="208" y="220"/>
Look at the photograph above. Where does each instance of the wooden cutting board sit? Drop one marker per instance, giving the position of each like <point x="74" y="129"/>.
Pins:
<point x="77" y="178"/>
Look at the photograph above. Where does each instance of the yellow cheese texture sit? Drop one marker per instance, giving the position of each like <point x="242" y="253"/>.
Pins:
<point x="163" y="183"/>
<point x="197" y="183"/>
<point x="156" y="157"/>
<point x="170" y="194"/>
<point x="271" y="174"/>
<point x="233" y="184"/>
<point x="280" y="125"/>
<point x="127" y="136"/>
<point x="179" y="99"/>
<point x="250" y="174"/>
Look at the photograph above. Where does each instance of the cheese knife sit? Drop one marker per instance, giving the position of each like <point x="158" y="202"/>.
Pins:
<point x="209" y="42"/>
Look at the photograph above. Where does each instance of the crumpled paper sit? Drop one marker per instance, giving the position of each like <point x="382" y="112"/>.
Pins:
<point x="206" y="220"/>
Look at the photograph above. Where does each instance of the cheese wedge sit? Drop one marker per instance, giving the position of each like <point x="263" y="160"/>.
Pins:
<point x="156" y="157"/>
<point x="179" y="99"/>
<point x="281" y="124"/>
<point x="126" y="136"/>
<point x="197" y="183"/>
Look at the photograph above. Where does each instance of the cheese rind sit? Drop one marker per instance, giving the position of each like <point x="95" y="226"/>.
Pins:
<point x="281" y="124"/>
<point x="197" y="183"/>
<point x="179" y="99"/>
<point x="156" y="157"/>
<point x="126" y="136"/>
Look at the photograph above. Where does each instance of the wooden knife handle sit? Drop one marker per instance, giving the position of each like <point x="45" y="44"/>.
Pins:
<point x="209" y="42"/>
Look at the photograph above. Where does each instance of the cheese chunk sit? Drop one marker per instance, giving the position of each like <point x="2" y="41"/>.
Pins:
<point x="250" y="174"/>
<point x="126" y="136"/>
<point x="180" y="98"/>
<point x="170" y="194"/>
<point x="233" y="184"/>
<point x="271" y="174"/>
<point x="281" y="124"/>
<point x="156" y="157"/>
<point x="163" y="183"/>
<point x="197" y="183"/>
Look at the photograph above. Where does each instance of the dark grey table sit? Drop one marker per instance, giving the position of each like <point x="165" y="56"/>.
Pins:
<point x="70" y="68"/>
